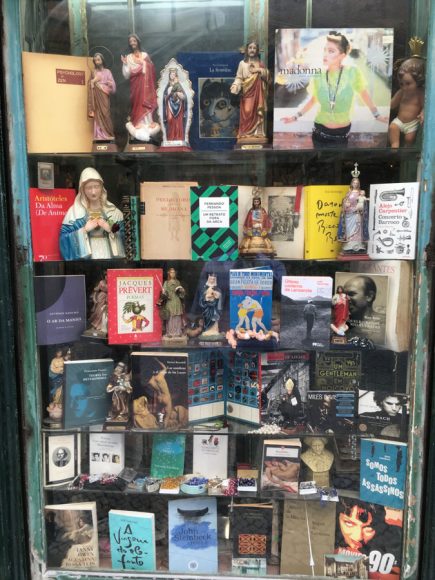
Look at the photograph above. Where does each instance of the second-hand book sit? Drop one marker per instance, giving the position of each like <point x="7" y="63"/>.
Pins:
<point x="383" y="472"/>
<point x="165" y="220"/>
<point x="60" y="303"/>
<point x="214" y="222"/>
<point x="72" y="536"/>
<point x="281" y="465"/>
<point x="132" y="305"/>
<point x="85" y="399"/>
<point x="167" y="458"/>
<point x="132" y="540"/>
<point x="393" y="212"/>
<point x="193" y="535"/>
<point x="305" y="311"/>
<point x="252" y="530"/>
<point x="251" y="299"/>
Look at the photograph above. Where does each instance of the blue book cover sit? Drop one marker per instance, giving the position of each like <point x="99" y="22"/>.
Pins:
<point x="216" y="111"/>
<point x="251" y="299"/>
<point x="60" y="303"/>
<point x="383" y="472"/>
<point x="193" y="537"/>
<point x="85" y="400"/>
<point x="167" y="459"/>
<point x="132" y="540"/>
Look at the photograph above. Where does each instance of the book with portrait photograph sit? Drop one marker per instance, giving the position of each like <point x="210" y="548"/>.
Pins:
<point x="106" y="453"/>
<point x="368" y="302"/>
<point x="332" y="87"/>
<point x="331" y="411"/>
<point x="72" y="535"/>
<point x="62" y="455"/>
<point x="281" y="465"/>
<point x="383" y="414"/>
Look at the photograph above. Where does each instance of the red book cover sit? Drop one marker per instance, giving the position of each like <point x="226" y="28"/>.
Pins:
<point x="47" y="210"/>
<point x="132" y="305"/>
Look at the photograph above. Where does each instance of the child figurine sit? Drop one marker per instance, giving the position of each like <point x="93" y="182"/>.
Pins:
<point x="409" y="99"/>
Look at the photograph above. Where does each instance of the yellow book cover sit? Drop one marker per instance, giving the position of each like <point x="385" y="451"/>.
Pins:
<point x="322" y="214"/>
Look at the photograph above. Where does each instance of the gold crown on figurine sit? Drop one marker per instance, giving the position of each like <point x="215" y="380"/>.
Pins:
<point x="355" y="172"/>
<point x="416" y="45"/>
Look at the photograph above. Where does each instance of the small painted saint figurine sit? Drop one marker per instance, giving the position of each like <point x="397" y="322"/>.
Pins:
<point x="353" y="224"/>
<point x="100" y="86"/>
<point x="174" y="115"/>
<point x="121" y="389"/>
<point x="251" y="83"/>
<point x="93" y="227"/>
<point x="171" y="305"/>
<point x="211" y="305"/>
<point x="256" y="230"/>
<point x="98" y="317"/>
<point x="340" y="312"/>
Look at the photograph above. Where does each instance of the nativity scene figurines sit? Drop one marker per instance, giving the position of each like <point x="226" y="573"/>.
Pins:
<point x="171" y="304"/>
<point x="138" y="68"/>
<point x="353" y="224"/>
<point x="251" y="84"/>
<point x="175" y="106"/>
<point x="93" y="227"/>
<point x="101" y="86"/>
<point x="211" y="304"/>
<point x="256" y="230"/>
<point x="120" y="388"/>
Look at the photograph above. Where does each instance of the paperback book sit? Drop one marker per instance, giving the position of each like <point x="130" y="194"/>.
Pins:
<point x="331" y="411"/>
<point x="346" y="566"/>
<point x="167" y="458"/>
<point x="252" y="530"/>
<point x="383" y="414"/>
<point x="210" y="453"/>
<point x="62" y="455"/>
<point x="106" y="453"/>
<point x="337" y="371"/>
<point x="251" y="299"/>
<point x="130" y="211"/>
<point x="132" y="540"/>
<point x="281" y="465"/>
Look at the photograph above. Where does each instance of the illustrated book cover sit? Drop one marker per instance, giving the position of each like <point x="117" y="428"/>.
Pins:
<point x="368" y="301"/>
<point x="132" y="305"/>
<point x="60" y="303"/>
<point x="207" y="384"/>
<point x="305" y="311"/>
<point x="193" y="535"/>
<point x="307" y="528"/>
<point x="383" y="472"/>
<point x="251" y="299"/>
<point x="322" y="215"/>
<point x="47" y="209"/>
<point x="331" y="411"/>
<point x="62" y="455"/>
<point x="160" y="384"/>
<point x="210" y="453"/>
<point x="315" y="92"/>
<point x="85" y="400"/>
<point x="337" y="371"/>
<point x="167" y="458"/>
<point x="243" y="386"/>
<point x="252" y="530"/>
<point x="214" y="222"/>
<point x="215" y="119"/>
<point x="165" y="220"/>
<point x="281" y="465"/>
<point x="72" y="535"/>
<point x="106" y="453"/>
<point x="383" y="414"/>
<point x="381" y="543"/>
<point x="132" y="540"/>
<point x="393" y="212"/>
<point x="346" y="566"/>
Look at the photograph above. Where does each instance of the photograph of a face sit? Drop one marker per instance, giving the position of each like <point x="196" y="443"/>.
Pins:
<point x="332" y="88"/>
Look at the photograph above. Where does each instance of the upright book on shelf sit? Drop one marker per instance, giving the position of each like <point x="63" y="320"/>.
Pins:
<point x="252" y="530"/>
<point x="339" y="371"/>
<point x="132" y="305"/>
<point x="383" y="414"/>
<point x="72" y="535"/>
<point x="62" y="456"/>
<point x="331" y="411"/>
<point x="281" y="465"/>
<point x="130" y="211"/>
<point x="167" y="458"/>
<point x="210" y="452"/>
<point x="106" y="453"/>
<point x="132" y="540"/>
<point x="251" y="299"/>
<point x="193" y="535"/>
<point x="207" y="384"/>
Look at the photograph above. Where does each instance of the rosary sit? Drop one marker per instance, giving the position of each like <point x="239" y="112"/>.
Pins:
<point x="332" y="97"/>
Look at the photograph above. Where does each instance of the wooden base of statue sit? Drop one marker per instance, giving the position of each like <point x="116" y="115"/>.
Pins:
<point x="352" y="257"/>
<point x="211" y="339"/>
<point x="168" y="146"/>
<point x="116" y="425"/>
<point x="338" y="340"/>
<point x="140" y="147"/>
<point x="251" y="143"/>
<point x="256" y="247"/>
<point x="174" y="340"/>
<point x="104" y="147"/>
<point x="52" y="423"/>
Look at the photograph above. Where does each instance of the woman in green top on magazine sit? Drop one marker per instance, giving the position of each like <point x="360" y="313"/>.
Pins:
<point x="334" y="90"/>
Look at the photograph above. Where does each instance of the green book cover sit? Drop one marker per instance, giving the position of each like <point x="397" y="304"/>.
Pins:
<point x="167" y="459"/>
<point x="214" y="222"/>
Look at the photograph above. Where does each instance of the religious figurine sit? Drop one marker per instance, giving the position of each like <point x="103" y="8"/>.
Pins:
<point x="408" y="101"/>
<point x="318" y="460"/>
<point x="256" y="230"/>
<point x="340" y="312"/>
<point x="93" y="227"/>
<point x="139" y="69"/>
<point x="251" y="83"/>
<point x="175" y="106"/>
<point x="120" y="389"/>
<point x="353" y="224"/>
<point x="171" y="305"/>
<point x="211" y="305"/>
<point x="56" y="378"/>
<point x="100" y="86"/>
<point x="98" y="317"/>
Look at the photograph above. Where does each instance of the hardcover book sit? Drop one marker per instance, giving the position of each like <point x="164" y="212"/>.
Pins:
<point x="322" y="215"/>
<point x="47" y="210"/>
<point x="383" y="414"/>
<point x="215" y="109"/>
<point x="331" y="411"/>
<point x="251" y="299"/>
<point x="252" y="530"/>
<point x="132" y="305"/>
<point x="193" y="535"/>
<point x="305" y="311"/>
<point x="132" y="540"/>
<point x="281" y="465"/>
<point x="308" y="529"/>
<point x="160" y="385"/>
<point x="85" y="400"/>
<point x="383" y="472"/>
<point x="106" y="453"/>
<point x="393" y="212"/>
<point x="60" y="303"/>
<point x="130" y="210"/>
<point x="165" y="210"/>
<point x="167" y="458"/>
<point x="72" y="535"/>
<point x="339" y="371"/>
<point x="214" y="222"/>
<point x="61" y="458"/>
<point x="368" y="303"/>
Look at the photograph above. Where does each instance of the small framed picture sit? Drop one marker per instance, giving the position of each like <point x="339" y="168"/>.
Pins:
<point x="62" y="458"/>
<point x="45" y="175"/>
